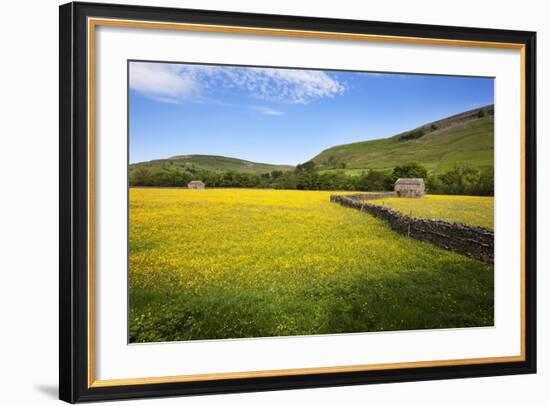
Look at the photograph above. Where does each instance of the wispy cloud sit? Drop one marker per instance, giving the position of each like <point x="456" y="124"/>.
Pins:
<point x="175" y="83"/>
<point x="267" y="110"/>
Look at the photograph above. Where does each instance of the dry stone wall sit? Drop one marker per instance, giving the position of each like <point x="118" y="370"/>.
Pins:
<point x="475" y="242"/>
<point x="369" y="196"/>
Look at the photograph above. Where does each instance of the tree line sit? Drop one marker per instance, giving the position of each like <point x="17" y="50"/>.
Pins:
<point x="459" y="180"/>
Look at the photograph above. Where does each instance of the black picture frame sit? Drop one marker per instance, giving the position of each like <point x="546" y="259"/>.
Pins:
<point x="74" y="199"/>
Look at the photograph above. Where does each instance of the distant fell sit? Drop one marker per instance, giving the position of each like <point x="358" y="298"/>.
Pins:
<point x="213" y="163"/>
<point x="464" y="139"/>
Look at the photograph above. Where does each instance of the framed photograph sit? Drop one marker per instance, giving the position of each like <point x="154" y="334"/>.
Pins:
<point x="256" y="202"/>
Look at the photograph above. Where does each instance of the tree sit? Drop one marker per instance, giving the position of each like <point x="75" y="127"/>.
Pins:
<point x="410" y="170"/>
<point x="308" y="166"/>
<point x="486" y="185"/>
<point x="374" y="180"/>
<point x="452" y="182"/>
<point x="412" y="135"/>
<point x="463" y="181"/>
<point x="434" y="185"/>
<point x="141" y="177"/>
<point x="470" y="181"/>
<point x="306" y="176"/>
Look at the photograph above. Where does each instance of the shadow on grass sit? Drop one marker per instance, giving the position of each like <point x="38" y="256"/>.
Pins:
<point x="446" y="295"/>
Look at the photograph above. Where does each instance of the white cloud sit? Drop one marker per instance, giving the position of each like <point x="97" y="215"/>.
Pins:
<point x="267" y="110"/>
<point x="162" y="82"/>
<point x="178" y="82"/>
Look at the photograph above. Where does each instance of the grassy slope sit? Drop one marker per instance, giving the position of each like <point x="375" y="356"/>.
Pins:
<point x="211" y="163"/>
<point x="225" y="263"/>
<point x="468" y="144"/>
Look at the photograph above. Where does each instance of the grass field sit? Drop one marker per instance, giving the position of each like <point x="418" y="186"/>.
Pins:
<point x="472" y="210"/>
<point x="233" y="263"/>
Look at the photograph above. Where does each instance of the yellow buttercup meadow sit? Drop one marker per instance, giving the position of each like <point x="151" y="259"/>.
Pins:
<point x="227" y="263"/>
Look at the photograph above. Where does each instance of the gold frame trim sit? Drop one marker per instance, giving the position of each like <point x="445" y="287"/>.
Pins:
<point x="94" y="22"/>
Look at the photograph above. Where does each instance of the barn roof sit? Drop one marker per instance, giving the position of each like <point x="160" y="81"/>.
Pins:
<point x="196" y="182"/>
<point x="410" y="181"/>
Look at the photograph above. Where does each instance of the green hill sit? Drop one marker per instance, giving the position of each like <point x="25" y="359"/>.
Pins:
<point x="211" y="163"/>
<point x="464" y="139"/>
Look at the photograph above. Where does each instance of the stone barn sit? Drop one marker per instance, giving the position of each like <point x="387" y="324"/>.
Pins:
<point x="409" y="187"/>
<point x="196" y="184"/>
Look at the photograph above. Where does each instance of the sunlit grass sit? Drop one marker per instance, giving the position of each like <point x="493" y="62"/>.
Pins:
<point x="231" y="263"/>
<point x="473" y="210"/>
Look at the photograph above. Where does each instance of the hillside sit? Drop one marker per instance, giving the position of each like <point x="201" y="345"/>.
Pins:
<point x="463" y="139"/>
<point x="211" y="163"/>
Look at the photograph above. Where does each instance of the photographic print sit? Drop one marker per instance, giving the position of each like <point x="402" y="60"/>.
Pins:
<point x="255" y="202"/>
<point x="269" y="201"/>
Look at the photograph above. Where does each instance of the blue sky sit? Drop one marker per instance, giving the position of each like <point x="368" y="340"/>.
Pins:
<point x="281" y="116"/>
